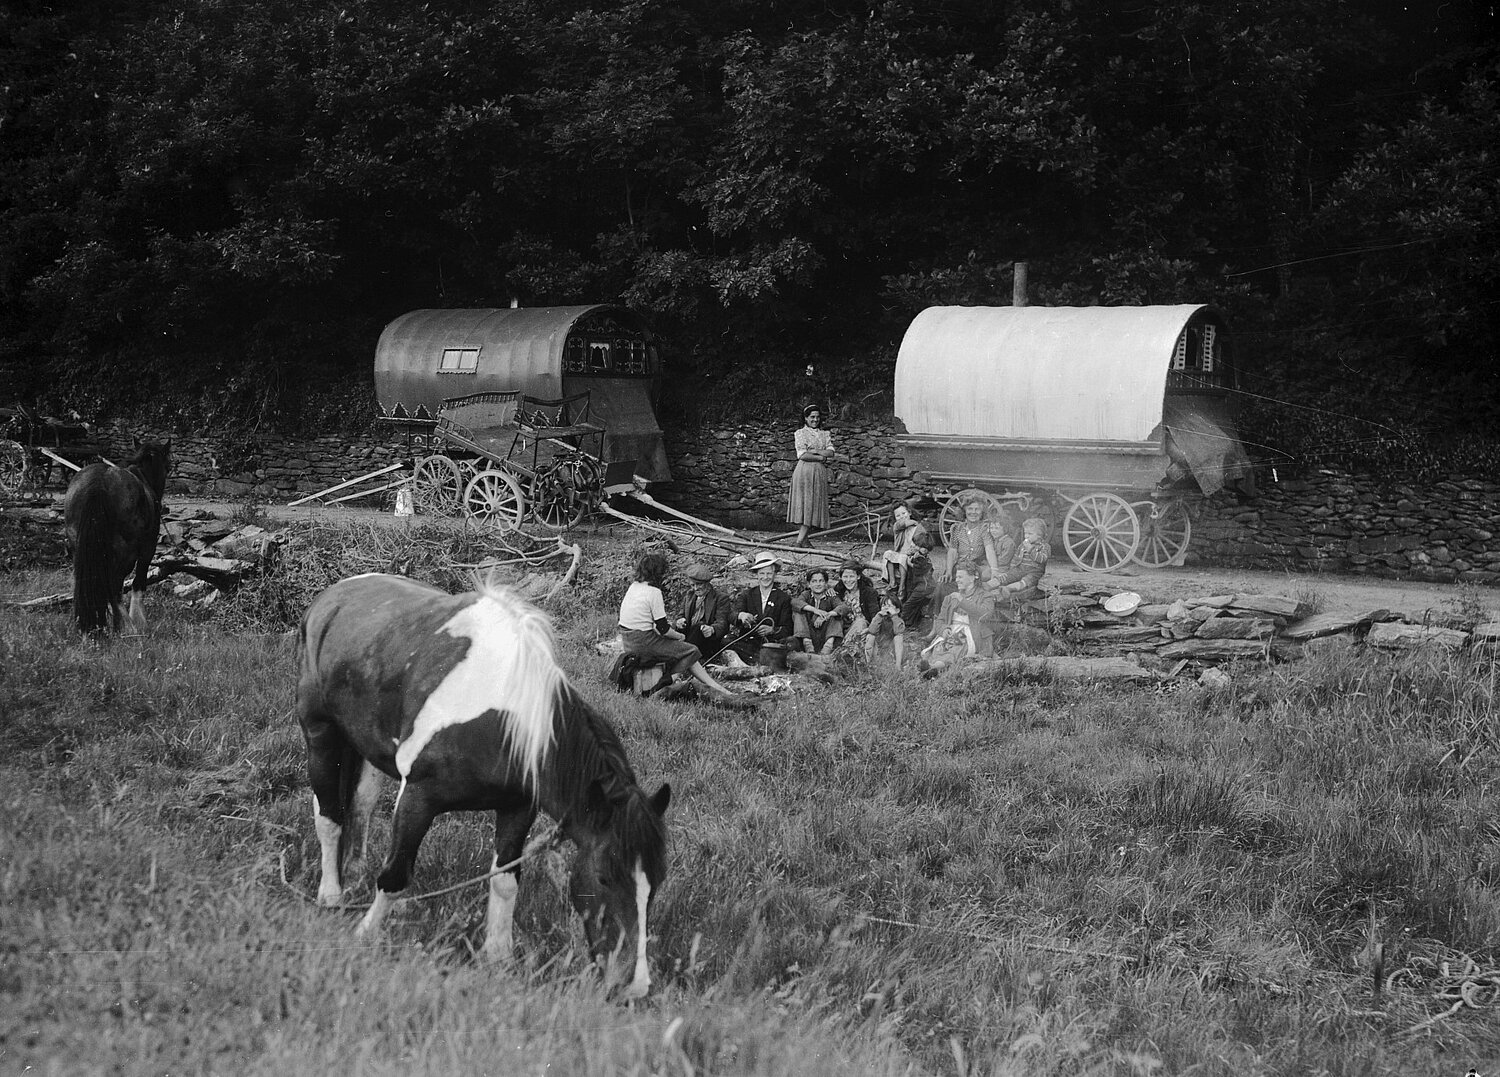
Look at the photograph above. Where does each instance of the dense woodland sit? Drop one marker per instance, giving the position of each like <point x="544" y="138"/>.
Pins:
<point x="210" y="208"/>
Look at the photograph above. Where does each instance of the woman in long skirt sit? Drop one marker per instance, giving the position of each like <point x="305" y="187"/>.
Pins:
<point x="807" y="503"/>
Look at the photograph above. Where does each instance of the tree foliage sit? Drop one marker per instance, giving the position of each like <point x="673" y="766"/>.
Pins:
<point x="217" y="205"/>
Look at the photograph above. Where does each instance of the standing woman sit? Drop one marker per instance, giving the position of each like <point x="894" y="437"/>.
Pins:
<point x="807" y="503"/>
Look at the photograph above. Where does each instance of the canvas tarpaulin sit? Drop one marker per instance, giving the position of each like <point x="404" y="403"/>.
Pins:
<point x="1201" y="437"/>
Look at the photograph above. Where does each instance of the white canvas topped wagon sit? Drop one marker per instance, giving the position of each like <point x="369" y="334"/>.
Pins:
<point x="523" y="411"/>
<point x="1112" y="420"/>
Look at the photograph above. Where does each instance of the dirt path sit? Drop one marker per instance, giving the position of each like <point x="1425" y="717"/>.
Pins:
<point x="1329" y="592"/>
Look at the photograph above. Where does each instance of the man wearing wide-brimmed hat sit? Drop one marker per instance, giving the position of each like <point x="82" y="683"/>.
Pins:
<point x="763" y="611"/>
<point x="705" y="612"/>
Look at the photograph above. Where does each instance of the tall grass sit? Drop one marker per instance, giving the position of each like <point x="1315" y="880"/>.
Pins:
<point x="977" y="874"/>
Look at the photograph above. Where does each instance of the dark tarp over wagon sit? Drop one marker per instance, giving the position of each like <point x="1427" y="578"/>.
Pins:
<point x="1084" y="403"/>
<point x="428" y="356"/>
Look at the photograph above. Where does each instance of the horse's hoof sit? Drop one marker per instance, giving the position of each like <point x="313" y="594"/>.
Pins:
<point x="330" y="898"/>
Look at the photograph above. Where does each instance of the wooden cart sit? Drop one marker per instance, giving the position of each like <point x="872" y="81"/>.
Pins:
<point x="37" y="452"/>
<point x="1113" y="422"/>
<point x="507" y="456"/>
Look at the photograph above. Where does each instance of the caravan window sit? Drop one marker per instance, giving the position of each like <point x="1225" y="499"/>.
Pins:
<point x="1198" y="360"/>
<point x="459" y="361"/>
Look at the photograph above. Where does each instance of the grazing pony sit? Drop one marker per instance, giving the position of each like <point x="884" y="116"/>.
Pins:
<point x="112" y="516"/>
<point x="460" y="699"/>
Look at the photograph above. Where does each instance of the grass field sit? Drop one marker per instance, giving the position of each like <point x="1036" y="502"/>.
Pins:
<point x="971" y="875"/>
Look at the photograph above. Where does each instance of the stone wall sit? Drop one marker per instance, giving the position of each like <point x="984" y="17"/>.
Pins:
<point x="738" y="475"/>
<point x="1327" y="522"/>
<point x="1336" y="522"/>
<point x="268" y="468"/>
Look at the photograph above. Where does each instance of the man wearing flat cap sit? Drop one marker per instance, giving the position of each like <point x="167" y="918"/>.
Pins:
<point x="705" y="612"/>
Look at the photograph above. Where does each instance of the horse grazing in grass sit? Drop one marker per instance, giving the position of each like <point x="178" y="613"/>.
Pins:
<point x="460" y="699"/>
<point x="112" y="516"/>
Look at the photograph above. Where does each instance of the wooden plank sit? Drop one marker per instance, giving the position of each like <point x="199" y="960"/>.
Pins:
<point x="724" y="540"/>
<point x="49" y="454"/>
<point x="647" y="499"/>
<point x="837" y="528"/>
<point x="59" y="599"/>
<point x="345" y="485"/>
<point x="367" y="493"/>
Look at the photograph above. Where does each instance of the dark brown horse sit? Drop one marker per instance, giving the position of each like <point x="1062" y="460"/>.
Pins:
<point x="461" y="700"/>
<point x="113" y="516"/>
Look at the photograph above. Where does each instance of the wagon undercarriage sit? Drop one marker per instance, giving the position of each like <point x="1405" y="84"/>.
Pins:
<point x="505" y="457"/>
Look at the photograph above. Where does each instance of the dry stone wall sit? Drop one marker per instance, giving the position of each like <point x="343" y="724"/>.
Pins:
<point x="1392" y="526"/>
<point x="268" y="467"/>
<point x="1329" y="521"/>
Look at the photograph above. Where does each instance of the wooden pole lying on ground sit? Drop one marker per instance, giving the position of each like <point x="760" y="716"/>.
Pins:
<point x="647" y="499"/>
<point x="366" y="493"/>
<point x="834" y="529"/>
<point x="723" y="540"/>
<point x="342" y="485"/>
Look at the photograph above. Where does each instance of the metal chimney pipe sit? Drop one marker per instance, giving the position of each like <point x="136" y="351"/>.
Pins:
<point x="1018" y="286"/>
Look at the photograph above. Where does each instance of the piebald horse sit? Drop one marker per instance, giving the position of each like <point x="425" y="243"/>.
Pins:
<point x="112" y="516"/>
<point x="461" y="700"/>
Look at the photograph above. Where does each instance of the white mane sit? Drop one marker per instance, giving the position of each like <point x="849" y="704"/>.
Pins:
<point x="511" y="666"/>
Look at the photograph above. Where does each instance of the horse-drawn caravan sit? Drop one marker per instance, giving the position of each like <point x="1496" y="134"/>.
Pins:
<point x="523" y="411"/>
<point x="1110" y="419"/>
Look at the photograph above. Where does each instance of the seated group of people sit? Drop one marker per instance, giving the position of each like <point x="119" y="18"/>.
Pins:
<point x="991" y="565"/>
<point x="851" y="610"/>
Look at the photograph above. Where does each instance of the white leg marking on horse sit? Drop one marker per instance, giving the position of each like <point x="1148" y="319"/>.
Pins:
<point x="137" y="611"/>
<point x="330" y="888"/>
<point x="640" y="985"/>
<point x="499" y="939"/>
<point x="370" y="925"/>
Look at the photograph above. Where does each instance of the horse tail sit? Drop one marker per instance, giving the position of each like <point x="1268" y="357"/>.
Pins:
<point x="94" y="591"/>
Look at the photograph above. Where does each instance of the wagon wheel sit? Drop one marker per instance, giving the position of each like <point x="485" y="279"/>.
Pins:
<point x="953" y="511"/>
<point x="1165" y="533"/>
<point x="468" y="467"/>
<point x="13" y="467"/>
<point x="495" y="498"/>
<point x="564" y="494"/>
<point x="1100" y="532"/>
<point x="437" y="486"/>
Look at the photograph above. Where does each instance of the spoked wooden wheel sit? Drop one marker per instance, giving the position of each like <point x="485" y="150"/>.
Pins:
<point x="1165" y="533"/>
<point x="494" y="498"/>
<point x="13" y="464"/>
<point x="1100" y="532"/>
<point x="437" y="486"/>
<point x="953" y="511"/>
<point x="564" y="494"/>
